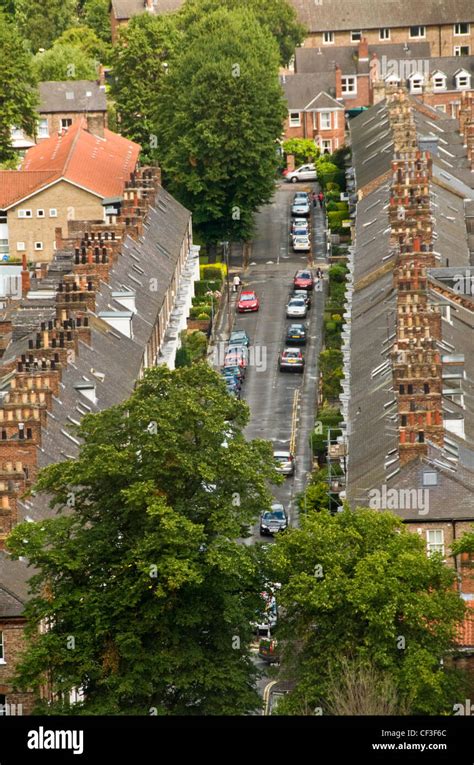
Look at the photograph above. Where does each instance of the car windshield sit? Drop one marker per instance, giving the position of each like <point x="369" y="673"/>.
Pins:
<point x="278" y="515"/>
<point x="304" y="275"/>
<point x="297" y="302"/>
<point x="248" y="297"/>
<point x="282" y="457"/>
<point x="292" y="355"/>
<point x="301" y="238"/>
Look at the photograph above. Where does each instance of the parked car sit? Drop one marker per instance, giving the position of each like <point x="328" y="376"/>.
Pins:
<point x="291" y="360"/>
<point x="301" y="243"/>
<point x="299" y="223"/>
<point x="268" y="650"/>
<point x="230" y="376"/>
<point x="286" y="462"/>
<point x="302" y="294"/>
<point x="300" y="231"/>
<point x="237" y="355"/>
<point x="233" y="389"/>
<point x="304" y="173"/>
<point x="248" y="301"/>
<point x="239" y="337"/>
<point x="296" y="308"/>
<point x="274" y="520"/>
<point x="296" y="334"/>
<point x="236" y="369"/>
<point x="303" y="280"/>
<point x="300" y="208"/>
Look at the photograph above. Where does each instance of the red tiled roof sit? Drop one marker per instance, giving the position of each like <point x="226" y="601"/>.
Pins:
<point x="466" y="631"/>
<point x="101" y="165"/>
<point x="15" y="184"/>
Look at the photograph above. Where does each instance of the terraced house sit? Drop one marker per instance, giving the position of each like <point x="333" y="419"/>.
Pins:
<point x="408" y="392"/>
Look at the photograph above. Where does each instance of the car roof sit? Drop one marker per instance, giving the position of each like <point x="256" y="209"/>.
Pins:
<point x="236" y="332"/>
<point x="292" y="350"/>
<point x="281" y="453"/>
<point x="247" y="292"/>
<point x="299" y="326"/>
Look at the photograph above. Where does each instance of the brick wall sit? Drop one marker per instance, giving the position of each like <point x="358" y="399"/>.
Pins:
<point x="96" y="122"/>
<point x="14" y="644"/>
<point x="310" y="127"/>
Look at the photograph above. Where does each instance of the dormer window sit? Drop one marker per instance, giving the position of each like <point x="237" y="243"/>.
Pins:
<point x="439" y="81"/>
<point x="463" y="80"/>
<point x="416" y="83"/>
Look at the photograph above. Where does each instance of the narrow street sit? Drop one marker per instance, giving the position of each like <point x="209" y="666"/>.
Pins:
<point x="282" y="405"/>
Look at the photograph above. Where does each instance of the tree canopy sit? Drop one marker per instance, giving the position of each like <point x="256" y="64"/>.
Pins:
<point x="17" y="87"/>
<point x="358" y="587"/>
<point x="64" y="62"/>
<point x="147" y="594"/>
<point x="41" y="22"/>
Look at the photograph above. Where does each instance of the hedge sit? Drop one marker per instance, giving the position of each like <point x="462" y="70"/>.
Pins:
<point x="207" y="285"/>
<point x="214" y="271"/>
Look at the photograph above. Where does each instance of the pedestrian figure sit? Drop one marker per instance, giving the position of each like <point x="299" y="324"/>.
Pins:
<point x="321" y="198"/>
<point x="236" y="283"/>
<point x="315" y="198"/>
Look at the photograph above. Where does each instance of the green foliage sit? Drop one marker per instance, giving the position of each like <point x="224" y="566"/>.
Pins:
<point x="146" y="573"/>
<point x="330" y="365"/>
<point x="278" y="16"/>
<point x="87" y="41"/>
<point x="182" y="358"/>
<point x="303" y="149"/>
<point x="214" y="271"/>
<point x="207" y="285"/>
<point x="143" y="49"/>
<point x="96" y="16"/>
<point x="358" y="586"/>
<point x="64" y="62"/>
<point x="335" y="219"/>
<point x="220" y="115"/>
<point x="17" y="88"/>
<point x="41" y="22"/>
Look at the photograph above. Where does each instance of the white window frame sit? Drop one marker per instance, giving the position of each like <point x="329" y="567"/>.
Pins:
<point x="422" y="30"/>
<point x="38" y="248"/>
<point x="43" y="128"/>
<point x="345" y="79"/>
<point x="323" y="148"/>
<point x="356" y="32"/>
<point x="441" y="108"/>
<point x="384" y="33"/>
<point x="40" y="213"/>
<point x="416" y="83"/>
<point x="457" y="50"/>
<point x="458" y="26"/>
<point x="291" y="122"/>
<point x="53" y="212"/>
<point x="325" y="126"/>
<point x="66" y="119"/>
<point x="432" y="546"/>
<point x="20" y="247"/>
<point x="2" y="648"/>
<point x="328" y="38"/>
<point x="25" y="212"/>
<point x="435" y="84"/>
<point x="467" y="79"/>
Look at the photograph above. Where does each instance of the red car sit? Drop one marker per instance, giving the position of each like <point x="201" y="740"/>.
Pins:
<point x="303" y="280"/>
<point x="248" y="301"/>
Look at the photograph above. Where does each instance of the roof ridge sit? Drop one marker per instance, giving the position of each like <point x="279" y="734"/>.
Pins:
<point x="72" y="148"/>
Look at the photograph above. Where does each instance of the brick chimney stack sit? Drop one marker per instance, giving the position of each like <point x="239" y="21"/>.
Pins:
<point x="25" y="277"/>
<point x="338" y="72"/>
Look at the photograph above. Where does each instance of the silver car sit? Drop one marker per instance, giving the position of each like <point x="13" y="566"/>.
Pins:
<point x="304" y="173"/>
<point x="300" y="207"/>
<point x="285" y="462"/>
<point x="301" y="243"/>
<point x="296" y="308"/>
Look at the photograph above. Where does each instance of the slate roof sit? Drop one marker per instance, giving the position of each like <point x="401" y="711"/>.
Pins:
<point x="301" y="89"/>
<point x="71" y="96"/>
<point x="356" y="15"/>
<point x="324" y="58"/>
<point x="14" y="575"/>
<point x="126" y="9"/>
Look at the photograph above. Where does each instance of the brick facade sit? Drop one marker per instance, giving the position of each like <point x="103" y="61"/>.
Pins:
<point x="96" y="122"/>
<point x="313" y="125"/>
<point x="13" y="645"/>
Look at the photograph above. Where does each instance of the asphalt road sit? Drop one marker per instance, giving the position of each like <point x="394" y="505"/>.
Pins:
<point x="277" y="399"/>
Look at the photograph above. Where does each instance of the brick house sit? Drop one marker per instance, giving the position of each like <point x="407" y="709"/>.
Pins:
<point x="64" y="103"/>
<point x="313" y="113"/>
<point x="121" y="11"/>
<point x="448" y="28"/>
<point x="63" y="178"/>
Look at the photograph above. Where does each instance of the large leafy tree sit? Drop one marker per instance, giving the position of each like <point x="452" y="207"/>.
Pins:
<point x="64" y="62"/>
<point x="17" y="87"/>
<point x="220" y="115"/>
<point x="42" y="21"/>
<point x="278" y="16"/>
<point x="96" y="15"/>
<point x="146" y="591"/>
<point x="140" y="59"/>
<point x="358" y="591"/>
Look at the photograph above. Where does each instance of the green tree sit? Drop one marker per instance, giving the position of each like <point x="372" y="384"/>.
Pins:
<point x="87" y="41"/>
<point x="220" y="116"/>
<point x="95" y="14"/>
<point x="41" y="22"/>
<point x="303" y="149"/>
<point x="359" y="587"/>
<point x="64" y="62"/>
<point x="277" y="16"/>
<point x="146" y="591"/>
<point x="17" y="88"/>
<point x="139" y="61"/>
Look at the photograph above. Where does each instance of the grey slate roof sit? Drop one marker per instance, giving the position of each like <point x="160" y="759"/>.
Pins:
<point x="301" y="89"/>
<point x="324" y="59"/>
<point x="372" y="14"/>
<point x="14" y="575"/>
<point x="126" y="9"/>
<point x="71" y="96"/>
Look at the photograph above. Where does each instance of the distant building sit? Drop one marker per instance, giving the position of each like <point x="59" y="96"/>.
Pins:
<point x="121" y="11"/>
<point x="64" y="178"/>
<point x="64" y="103"/>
